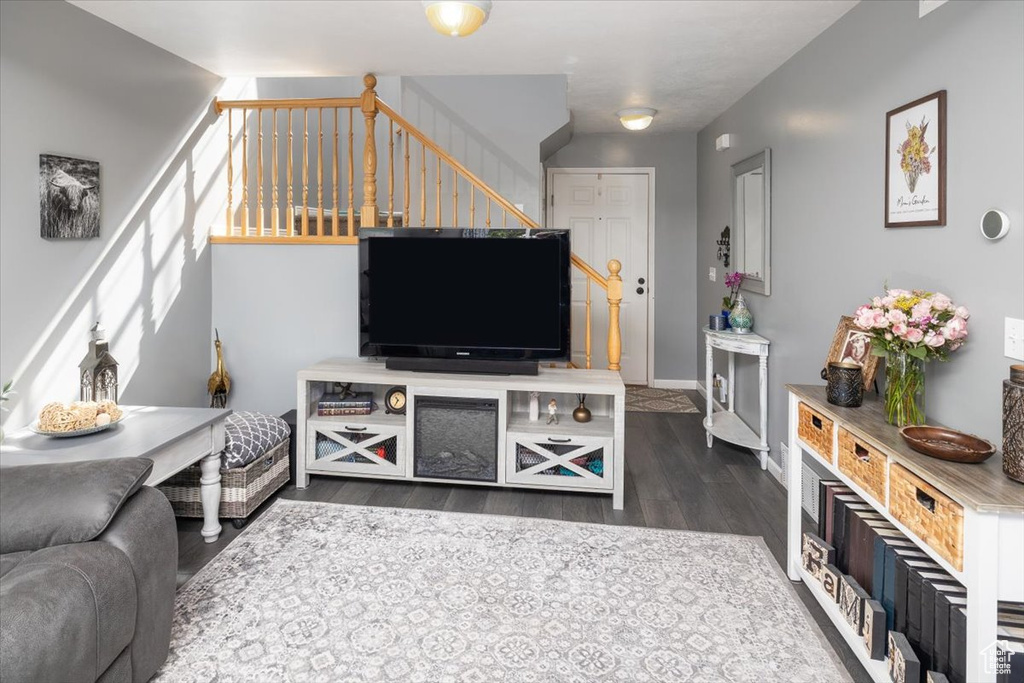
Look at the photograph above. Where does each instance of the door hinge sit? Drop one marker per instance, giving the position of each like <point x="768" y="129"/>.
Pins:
<point x="552" y="199"/>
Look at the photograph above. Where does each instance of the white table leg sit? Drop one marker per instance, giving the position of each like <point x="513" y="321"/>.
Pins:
<point x="709" y="384"/>
<point x="210" y="494"/>
<point x="762" y="385"/>
<point x="619" y="453"/>
<point x="981" y="536"/>
<point x="301" y="478"/>
<point x="732" y="382"/>
<point x="793" y="473"/>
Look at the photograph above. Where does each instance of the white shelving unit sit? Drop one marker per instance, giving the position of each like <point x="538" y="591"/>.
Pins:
<point x="726" y="424"/>
<point x="567" y="456"/>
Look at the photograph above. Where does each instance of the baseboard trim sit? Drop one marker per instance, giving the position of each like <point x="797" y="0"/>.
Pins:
<point x="674" y="384"/>
<point x="775" y="469"/>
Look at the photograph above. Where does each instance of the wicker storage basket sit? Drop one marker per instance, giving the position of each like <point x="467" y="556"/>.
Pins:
<point x="816" y="431"/>
<point x="242" y="489"/>
<point x="862" y="463"/>
<point x="933" y="516"/>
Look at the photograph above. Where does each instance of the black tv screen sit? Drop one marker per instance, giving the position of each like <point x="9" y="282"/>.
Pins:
<point x="451" y="293"/>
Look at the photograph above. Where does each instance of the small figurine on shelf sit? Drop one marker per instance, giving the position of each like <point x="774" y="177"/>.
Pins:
<point x="534" y="406"/>
<point x="552" y="411"/>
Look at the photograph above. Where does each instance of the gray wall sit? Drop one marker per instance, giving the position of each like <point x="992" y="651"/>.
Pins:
<point x="823" y="116"/>
<point x="280" y="308"/>
<point x="78" y="86"/>
<point x="674" y="157"/>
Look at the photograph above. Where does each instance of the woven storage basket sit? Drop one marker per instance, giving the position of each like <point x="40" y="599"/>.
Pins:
<point x="816" y="430"/>
<point x="862" y="463"/>
<point x="933" y="516"/>
<point x="243" y="489"/>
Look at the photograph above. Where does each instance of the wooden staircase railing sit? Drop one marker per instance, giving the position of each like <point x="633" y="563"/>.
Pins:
<point x="316" y="224"/>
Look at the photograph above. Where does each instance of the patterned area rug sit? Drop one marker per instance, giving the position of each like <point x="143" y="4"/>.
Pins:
<point x="324" y="592"/>
<point x="640" y="399"/>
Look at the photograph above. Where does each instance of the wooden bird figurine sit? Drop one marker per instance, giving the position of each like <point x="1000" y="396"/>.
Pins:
<point x="220" y="381"/>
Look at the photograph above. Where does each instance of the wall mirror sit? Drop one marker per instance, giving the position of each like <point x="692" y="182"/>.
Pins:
<point x="752" y="221"/>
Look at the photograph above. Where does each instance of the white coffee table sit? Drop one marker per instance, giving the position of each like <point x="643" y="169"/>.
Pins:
<point x="173" y="438"/>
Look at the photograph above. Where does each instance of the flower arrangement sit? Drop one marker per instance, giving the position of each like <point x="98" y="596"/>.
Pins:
<point x="733" y="282"/>
<point x="914" y="153"/>
<point x="909" y="328"/>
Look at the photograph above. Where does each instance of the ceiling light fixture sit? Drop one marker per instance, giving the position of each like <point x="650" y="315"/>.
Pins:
<point x="457" y="19"/>
<point x="636" y="118"/>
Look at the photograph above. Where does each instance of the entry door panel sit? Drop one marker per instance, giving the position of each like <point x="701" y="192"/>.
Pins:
<point x="607" y="214"/>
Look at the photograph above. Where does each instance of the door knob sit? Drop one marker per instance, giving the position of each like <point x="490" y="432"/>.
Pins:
<point x="641" y="281"/>
<point x="639" y="290"/>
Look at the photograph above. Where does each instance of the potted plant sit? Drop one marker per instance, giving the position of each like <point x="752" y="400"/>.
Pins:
<point x="910" y="328"/>
<point x="733" y="282"/>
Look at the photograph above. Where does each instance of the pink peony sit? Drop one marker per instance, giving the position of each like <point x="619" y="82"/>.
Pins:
<point x="893" y="293"/>
<point x="914" y="335"/>
<point x="955" y="329"/>
<point x="877" y="302"/>
<point x="962" y="312"/>
<point x="899" y="329"/>
<point x="922" y="310"/>
<point x="896" y="316"/>
<point x="941" y="302"/>
<point x="934" y="339"/>
<point x="888" y="301"/>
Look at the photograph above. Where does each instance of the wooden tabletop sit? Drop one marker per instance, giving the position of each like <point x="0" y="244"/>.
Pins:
<point x="142" y="431"/>
<point x="982" y="487"/>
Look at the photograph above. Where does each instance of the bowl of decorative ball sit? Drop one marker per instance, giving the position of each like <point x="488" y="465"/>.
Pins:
<point x="76" y="419"/>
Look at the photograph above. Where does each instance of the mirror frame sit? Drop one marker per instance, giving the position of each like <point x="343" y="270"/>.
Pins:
<point x="761" y="285"/>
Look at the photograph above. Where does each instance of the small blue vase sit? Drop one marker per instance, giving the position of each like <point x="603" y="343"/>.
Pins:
<point x="725" y="314"/>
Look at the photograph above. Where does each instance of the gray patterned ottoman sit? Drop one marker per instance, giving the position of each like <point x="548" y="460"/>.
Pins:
<point x="254" y="464"/>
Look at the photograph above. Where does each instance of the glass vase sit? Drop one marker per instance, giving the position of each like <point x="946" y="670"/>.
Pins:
<point x="904" y="389"/>
<point x="740" y="317"/>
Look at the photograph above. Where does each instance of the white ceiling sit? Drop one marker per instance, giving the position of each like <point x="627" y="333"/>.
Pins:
<point x="690" y="60"/>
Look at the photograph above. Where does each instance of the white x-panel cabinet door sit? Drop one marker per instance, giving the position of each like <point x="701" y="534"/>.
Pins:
<point x="607" y="214"/>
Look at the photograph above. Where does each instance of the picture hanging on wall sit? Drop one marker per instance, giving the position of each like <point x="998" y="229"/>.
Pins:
<point x="915" y="163"/>
<point x="69" y="197"/>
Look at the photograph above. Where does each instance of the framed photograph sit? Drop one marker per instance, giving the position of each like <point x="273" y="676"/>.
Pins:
<point x="915" y="163"/>
<point x="69" y="197"/>
<point x="850" y="344"/>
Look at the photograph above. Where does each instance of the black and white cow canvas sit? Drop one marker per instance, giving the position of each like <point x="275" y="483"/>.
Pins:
<point x="69" y="197"/>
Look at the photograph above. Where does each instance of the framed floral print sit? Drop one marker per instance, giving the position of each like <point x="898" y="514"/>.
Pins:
<point x="915" y="163"/>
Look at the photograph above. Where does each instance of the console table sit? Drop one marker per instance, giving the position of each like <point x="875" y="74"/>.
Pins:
<point x="568" y="456"/>
<point x="983" y="548"/>
<point x="173" y="438"/>
<point x="726" y="424"/>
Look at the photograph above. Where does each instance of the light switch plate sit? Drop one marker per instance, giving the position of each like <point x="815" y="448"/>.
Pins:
<point x="1013" y="344"/>
<point x="712" y="274"/>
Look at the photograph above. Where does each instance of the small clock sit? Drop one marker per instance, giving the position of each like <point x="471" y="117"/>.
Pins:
<point x="395" y="401"/>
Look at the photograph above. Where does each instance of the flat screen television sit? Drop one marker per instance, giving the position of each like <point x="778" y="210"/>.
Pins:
<point x="480" y="296"/>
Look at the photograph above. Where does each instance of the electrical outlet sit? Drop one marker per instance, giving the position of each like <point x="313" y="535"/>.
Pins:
<point x="712" y="274"/>
<point x="1013" y="345"/>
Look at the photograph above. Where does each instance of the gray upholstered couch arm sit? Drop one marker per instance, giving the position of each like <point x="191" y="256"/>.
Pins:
<point x="56" y="504"/>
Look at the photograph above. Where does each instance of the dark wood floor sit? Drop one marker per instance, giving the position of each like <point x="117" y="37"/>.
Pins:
<point x="672" y="481"/>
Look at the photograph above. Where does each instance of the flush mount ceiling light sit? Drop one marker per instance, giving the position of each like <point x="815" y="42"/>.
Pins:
<point x="457" y="19"/>
<point x="636" y="118"/>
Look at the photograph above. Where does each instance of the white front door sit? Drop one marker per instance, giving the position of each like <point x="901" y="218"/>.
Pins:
<point x="608" y="216"/>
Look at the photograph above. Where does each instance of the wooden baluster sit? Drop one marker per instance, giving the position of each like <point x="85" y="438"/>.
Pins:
<point x="405" y="193"/>
<point x="351" y="177"/>
<point x="614" y="301"/>
<point x="335" y="225"/>
<point x="290" y="208"/>
<point x="304" y="230"/>
<point x="488" y="213"/>
<point x="368" y="214"/>
<point x="472" y="205"/>
<point x="259" y="173"/>
<point x="423" y="186"/>
<point x="437" y="213"/>
<point x="320" y="173"/>
<point x="391" y="173"/>
<point x="275" y="225"/>
<point x="455" y="199"/>
<point x="231" y="179"/>
<point x="245" y="172"/>
<point x="586" y="332"/>
<point x="504" y="218"/>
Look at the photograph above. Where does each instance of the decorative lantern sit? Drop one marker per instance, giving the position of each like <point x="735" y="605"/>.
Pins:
<point x="98" y="369"/>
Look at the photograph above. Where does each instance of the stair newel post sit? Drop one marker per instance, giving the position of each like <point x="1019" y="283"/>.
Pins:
<point x="614" y="300"/>
<point x="368" y="214"/>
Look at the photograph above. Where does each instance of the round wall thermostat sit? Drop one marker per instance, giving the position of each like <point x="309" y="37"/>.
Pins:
<point x="994" y="224"/>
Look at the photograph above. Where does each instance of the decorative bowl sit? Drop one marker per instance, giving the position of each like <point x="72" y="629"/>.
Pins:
<point x="947" y="444"/>
<point x="76" y="432"/>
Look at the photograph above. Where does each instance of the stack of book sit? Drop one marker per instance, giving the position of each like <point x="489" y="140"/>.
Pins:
<point x="358" y="403"/>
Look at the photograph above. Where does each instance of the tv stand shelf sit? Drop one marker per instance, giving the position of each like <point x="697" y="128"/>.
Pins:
<point x="567" y="456"/>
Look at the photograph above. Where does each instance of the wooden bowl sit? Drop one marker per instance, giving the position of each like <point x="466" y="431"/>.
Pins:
<point x="947" y="444"/>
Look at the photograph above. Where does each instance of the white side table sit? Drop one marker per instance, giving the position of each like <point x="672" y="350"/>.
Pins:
<point x="727" y="425"/>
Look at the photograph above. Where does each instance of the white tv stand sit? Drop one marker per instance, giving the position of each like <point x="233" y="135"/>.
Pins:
<point x="568" y="456"/>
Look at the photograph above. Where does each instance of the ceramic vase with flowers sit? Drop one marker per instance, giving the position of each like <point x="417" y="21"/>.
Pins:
<point x="910" y="328"/>
<point x="733" y="282"/>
